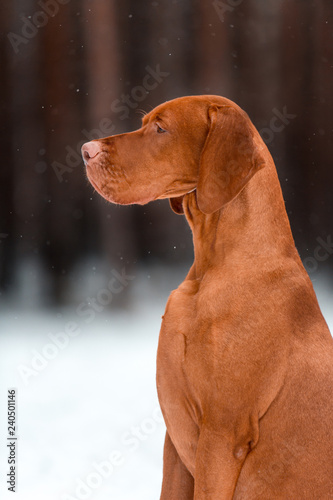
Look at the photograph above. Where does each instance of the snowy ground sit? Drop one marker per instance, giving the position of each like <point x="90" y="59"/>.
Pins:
<point x="88" y="421"/>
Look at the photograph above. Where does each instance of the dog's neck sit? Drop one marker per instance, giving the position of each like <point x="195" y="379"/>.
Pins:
<point x="234" y="233"/>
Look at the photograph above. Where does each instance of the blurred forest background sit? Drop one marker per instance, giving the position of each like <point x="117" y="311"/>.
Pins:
<point x="73" y="70"/>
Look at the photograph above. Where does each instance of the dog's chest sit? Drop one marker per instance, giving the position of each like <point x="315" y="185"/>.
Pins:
<point x="178" y="325"/>
<point x="177" y="396"/>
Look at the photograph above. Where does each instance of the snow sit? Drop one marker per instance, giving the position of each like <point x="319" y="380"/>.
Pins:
<point x="89" y="413"/>
<point x="88" y="420"/>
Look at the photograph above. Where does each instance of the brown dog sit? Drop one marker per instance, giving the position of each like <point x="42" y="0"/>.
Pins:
<point x="245" y="358"/>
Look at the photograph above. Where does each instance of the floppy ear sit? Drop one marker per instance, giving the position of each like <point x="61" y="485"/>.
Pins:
<point x="177" y="204"/>
<point x="229" y="158"/>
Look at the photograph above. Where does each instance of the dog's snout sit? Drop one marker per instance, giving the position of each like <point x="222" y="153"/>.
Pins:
<point x="89" y="150"/>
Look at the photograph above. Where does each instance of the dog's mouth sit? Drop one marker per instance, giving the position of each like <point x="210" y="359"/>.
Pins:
<point x="101" y="175"/>
<point x="109" y="180"/>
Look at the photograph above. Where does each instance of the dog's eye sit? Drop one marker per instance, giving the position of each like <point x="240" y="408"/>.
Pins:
<point x="159" y="129"/>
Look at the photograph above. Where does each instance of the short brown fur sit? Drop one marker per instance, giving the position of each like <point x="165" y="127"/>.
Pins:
<point x="245" y="358"/>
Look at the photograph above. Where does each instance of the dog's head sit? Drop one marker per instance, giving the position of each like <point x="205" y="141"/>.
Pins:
<point x="202" y="143"/>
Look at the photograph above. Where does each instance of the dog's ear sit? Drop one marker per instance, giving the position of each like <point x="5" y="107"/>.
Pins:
<point x="177" y="204"/>
<point x="229" y="158"/>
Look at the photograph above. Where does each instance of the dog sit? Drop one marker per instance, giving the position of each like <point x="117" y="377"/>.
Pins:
<point x="245" y="358"/>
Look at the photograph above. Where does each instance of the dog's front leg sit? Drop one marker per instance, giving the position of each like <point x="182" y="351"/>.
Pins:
<point x="178" y="483"/>
<point x="218" y="464"/>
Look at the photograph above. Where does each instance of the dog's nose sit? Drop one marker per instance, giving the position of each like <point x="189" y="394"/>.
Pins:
<point x="89" y="150"/>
